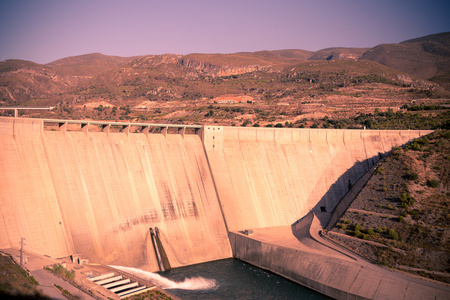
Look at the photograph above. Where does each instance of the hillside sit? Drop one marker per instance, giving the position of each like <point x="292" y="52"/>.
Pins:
<point x="338" y="53"/>
<point x="400" y="218"/>
<point x="24" y="81"/>
<point x="16" y="283"/>
<point x="88" y="65"/>
<point x="424" y="57"/>
<point x="286" y="87"/>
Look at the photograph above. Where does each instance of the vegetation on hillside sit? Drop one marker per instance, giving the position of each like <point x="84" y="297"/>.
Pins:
<point x="330" y="88"/>
<point x="401" y="217"/>
<point x="16" y="282"/>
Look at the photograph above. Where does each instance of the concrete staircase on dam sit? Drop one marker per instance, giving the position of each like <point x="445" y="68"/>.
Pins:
<point x="96" y="188"/>
<point x="120" y="285"/>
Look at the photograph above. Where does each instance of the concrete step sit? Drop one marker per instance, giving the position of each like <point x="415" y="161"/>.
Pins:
<point x="116" y="283"/>
<point x="124" y="287"/>
<point x="138" y="290"/>
<point x="108" y="280"/>
<point x="104" y="276"/>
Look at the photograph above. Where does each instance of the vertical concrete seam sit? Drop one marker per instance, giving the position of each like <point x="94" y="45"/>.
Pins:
<point x="214" y="181"/>
<point x="70" y="247"/>
<point x="14" y="128"/>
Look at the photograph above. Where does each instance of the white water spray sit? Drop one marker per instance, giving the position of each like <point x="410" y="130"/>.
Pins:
<point x="194" y="283"/>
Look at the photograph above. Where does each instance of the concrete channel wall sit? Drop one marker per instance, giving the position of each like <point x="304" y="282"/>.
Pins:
<point x="331" y="276"/>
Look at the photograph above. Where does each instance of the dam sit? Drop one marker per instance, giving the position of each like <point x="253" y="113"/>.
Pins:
<point x="94" y="189"/>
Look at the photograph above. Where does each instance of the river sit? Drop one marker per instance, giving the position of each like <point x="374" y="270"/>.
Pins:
<point x="227" y="279"/>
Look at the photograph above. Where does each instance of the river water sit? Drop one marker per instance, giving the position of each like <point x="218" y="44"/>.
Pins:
<point x="226" y="279"/>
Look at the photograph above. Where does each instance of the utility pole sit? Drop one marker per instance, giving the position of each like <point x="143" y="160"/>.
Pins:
<point x="21" y="252"/>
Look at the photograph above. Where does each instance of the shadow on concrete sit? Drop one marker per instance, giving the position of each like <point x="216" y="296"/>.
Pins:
<point x="330" y="206"/>
<point x="344" y="185"/>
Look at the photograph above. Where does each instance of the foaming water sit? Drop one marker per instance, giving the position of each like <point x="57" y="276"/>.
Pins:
<point x="232" y="279"/>
<point x="194" y="283"/>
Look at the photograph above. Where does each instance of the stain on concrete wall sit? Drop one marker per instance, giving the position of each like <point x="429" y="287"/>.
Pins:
<point x="97" y="195"/>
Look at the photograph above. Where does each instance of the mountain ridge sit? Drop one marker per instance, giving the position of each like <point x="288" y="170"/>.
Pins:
<point x="394" y="73"/>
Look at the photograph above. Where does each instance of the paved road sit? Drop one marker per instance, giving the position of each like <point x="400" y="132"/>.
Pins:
<point x="35" y="264"/>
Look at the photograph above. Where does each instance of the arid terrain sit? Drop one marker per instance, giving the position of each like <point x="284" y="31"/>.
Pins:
<point x="400" y="218"/>
<point x="330" y="88"/>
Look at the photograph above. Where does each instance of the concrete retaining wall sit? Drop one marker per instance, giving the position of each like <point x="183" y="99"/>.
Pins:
<point x="337" y="278"/>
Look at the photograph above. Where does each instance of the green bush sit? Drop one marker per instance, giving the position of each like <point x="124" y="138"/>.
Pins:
<point x="63" y="272"/>
<point x="412" y="175"/>
<point x="34" y="281"/>
<point x="392" y="234"/>
<point x="370" y="231"/>
<point x="433" y="183"/>
<point x="415" y="214"/>
<point x="379" y="229"/>
<point x="406" y="199"/>
<point x="401" y="218"/>
<point x="379" y="171"/>
<point x="413" y="146"/>
<point x="396" y="152"/>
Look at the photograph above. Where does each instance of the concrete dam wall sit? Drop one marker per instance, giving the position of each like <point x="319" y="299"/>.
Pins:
<point x="268" y="177"/>
<point x="96" y="194"/>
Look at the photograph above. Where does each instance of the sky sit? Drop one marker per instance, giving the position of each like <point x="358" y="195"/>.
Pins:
<point x="43" y="31"/>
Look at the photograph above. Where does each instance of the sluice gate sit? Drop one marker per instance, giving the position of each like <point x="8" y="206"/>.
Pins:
<point x="161" y="256"/>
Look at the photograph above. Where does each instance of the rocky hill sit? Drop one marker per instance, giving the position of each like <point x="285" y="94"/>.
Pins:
<point x="88" y="65"/>
<point x="283" y="86"/>
<point x="24" y="82"/>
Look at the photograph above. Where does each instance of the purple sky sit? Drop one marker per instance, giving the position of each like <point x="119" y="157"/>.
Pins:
<point x="46" y="30"/>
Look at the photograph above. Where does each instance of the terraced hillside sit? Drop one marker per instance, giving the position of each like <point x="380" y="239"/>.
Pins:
<point x="292" y="88"/>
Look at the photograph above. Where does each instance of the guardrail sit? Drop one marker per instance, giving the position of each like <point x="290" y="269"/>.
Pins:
<point x="107" y="127"/>
<point x="17" y="108"/>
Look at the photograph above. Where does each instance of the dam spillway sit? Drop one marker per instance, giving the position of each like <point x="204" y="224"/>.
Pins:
<point x="97" y="193"/>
